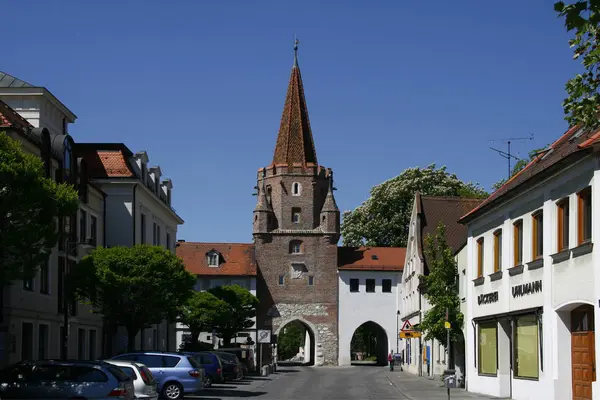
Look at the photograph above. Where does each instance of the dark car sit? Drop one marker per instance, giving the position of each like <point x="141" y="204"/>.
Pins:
<point x="232" y="367"/>
<point x="213" y="368"/>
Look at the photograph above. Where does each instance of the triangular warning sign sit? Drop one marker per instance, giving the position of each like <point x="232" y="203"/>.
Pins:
<point x="407" y="326"/>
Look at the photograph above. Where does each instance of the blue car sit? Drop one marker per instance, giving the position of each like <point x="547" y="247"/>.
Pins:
<point x="177" y="374"/>
<point x="213" y="368"/>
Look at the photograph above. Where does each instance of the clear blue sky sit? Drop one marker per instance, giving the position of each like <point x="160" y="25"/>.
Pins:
<point x="200" y="86"/>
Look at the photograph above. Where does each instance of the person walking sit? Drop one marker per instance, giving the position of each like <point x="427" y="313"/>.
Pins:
<point x="391" y="360"/>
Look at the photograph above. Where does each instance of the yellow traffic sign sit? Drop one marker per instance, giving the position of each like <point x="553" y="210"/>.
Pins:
<point x="447" y="325"/>
<point x="410" y="334"/>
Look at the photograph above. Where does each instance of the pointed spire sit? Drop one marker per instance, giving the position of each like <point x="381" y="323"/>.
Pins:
<point x="262" y="204"/>
<point x="295" y="143"/>
<point x="330" y="204"/>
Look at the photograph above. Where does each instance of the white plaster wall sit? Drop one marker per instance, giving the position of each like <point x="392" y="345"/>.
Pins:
<point x="38" y="107"/>
<point x="357" y="308"/>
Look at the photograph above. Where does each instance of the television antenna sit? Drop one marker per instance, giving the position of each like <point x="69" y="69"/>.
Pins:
<point x="507" y="154"/>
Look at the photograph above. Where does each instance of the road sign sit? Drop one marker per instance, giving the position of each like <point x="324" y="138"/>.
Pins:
<point x="407" y="326"/>
<point x="447" y="325"/>
<point x="410" y="334"/>
<point x="264" y="336"/>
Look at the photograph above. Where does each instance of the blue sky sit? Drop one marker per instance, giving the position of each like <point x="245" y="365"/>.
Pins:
<point x="200" y="86"/>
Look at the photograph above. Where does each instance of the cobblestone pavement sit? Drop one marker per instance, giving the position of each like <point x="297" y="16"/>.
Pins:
<point x="334" y="383"/>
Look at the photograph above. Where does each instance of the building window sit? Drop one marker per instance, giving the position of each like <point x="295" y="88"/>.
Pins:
<point x="158" y="235"/>
<point x="526" y="347"/>
<point x="168" y="241"/>
<point x="94" y="230"/>
<point x="27" y="341"/>
<point x="311" y="280"/>
<point x="488" y="348"/>
<point x="584" y="215"/>
<point x="518" y="242"/>
<point x="479" y="257"/>
<point x="62" y="338"/>
<point x="538" y="234"/>
<point x="45" y="277"/>
<point x="296" y="247"/>
<point x="43" y="337"/>
<point x="82" y="226"/>
<point x="281" y="279"/>
<point x="213" y="259"/>
<point x="563" y="224"/>
<point x="92" y="349"/>
<point x="154" y="234"/>
<point x="386" y="285"/>
<point x="498" y="250"/>
<point x="370" y="286"/>
<point x="296" y="189"/>
<point x="81" y="344"/>
<point x="295" y="215"/>
<point x="354" y="285"/>
<point x="28" y="284"/>
<point x="143" y="229"/>
<point x="61" y="284"/>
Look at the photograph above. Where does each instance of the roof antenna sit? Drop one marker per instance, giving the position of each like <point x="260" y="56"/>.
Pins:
<point x="296" y="41"/>
<point x="508" y="154"/>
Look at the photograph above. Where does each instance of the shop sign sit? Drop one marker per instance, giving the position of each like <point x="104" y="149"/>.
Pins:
<point x="527" y="288"/>
<point x="487" y="298"/>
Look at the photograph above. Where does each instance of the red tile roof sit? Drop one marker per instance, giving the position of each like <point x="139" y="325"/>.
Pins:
<point x="9" y="118"/>
<point x="371" y="258"/>
<point x="574" y="143"/>
<point x="237" y="259"/>
<point x="106" y="160"/>
<point x="295" y="145"/>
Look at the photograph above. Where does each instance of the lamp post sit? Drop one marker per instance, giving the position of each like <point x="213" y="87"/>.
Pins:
<point x="68" y="248"/>
<point x="397" y="332"/>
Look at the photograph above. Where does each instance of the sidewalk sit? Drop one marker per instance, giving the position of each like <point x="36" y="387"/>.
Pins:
<point x="420" y="388"/>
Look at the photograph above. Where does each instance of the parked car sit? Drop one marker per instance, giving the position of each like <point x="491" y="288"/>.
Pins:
<point x="95" y="380"/>
<point x="213" y="368"/>
<point x="177" y="374"/>
<point x="245" y="355"/>
<point x="144" y="384"/>
<point x="232" y="367"/>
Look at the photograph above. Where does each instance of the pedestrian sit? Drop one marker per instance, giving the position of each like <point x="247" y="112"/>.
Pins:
<point x="391" y="360"/>
<point x="401" y="361"/>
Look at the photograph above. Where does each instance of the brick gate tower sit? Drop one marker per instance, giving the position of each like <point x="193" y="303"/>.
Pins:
<point x="296" y="230"/>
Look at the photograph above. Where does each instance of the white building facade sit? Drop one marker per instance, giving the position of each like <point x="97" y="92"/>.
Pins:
<point x="532" y="283"/>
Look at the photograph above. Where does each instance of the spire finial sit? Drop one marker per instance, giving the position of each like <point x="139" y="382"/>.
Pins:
<point x="296" y="41"/>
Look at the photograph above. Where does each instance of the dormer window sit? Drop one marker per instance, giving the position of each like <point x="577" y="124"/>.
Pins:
<point x="169" y="196"/>
<point x="144" y="172"/>
<point x="296" y="189"/>
<point x="213" y="259"/>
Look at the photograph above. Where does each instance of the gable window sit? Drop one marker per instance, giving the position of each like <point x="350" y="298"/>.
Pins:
<point x="295" y="215"/>
<point x="282" y="279"/>
<point x="518" y="242"/>
<point x="563" y="224"/>
<point x="370" y="286"/>
<point x="213" y="259"/>
<point x="354" y="285"/>
<point x="386" y="285"/>
<point x="296" y="189"/>
<point x="479" y="257"/>
<point x="498" y="250"/>
<point x="584" y="216"/>
<point x="538" y="234"/>
<point x="296" y="247"/>
<point x="311" y="280"/>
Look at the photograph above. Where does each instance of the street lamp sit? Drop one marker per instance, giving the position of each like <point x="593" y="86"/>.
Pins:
<point x="68" y="248"/>
<point x="397" y="332"/>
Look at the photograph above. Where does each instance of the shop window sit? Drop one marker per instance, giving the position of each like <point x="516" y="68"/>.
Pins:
<point x="488" y="348"/>
<point x="526" y="347"/>
<point x="498" y="250"/>
<point x="537" y="220"/>
<point x="518" y="242"/>
<point x="480" y="257"/>
<point x="563" y="224"/>
<point x="584" y="216"/>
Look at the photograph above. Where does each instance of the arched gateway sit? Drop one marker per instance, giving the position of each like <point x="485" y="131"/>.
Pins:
<point x="300" y="341"/>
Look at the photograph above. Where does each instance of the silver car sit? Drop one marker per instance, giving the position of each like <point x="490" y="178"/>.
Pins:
<point x="143" y="382"/>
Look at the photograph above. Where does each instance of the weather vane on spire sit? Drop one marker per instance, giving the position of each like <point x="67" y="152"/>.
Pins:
<point x="296" y="41"/>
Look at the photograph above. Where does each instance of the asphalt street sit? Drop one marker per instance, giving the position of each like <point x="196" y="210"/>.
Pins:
<point x="332" y="383"/>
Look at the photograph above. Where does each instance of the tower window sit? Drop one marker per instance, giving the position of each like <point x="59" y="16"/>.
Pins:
<point x="296" y="215"/>
<point x="296" y="247"/>
<point x="281" y="279"/>
<point x="296" y="189"/>
<point x="311" y="280"/>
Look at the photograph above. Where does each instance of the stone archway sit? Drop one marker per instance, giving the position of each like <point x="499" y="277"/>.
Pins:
<point x="369" y="345"/>
<point x="306" y="343"/>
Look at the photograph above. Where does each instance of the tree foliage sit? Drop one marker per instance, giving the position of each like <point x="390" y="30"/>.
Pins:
<point x="364" y="340"/>
<point x="441" y="289"/>
<point x="383" y="219"/>
<point x="522" y="163"/>
<point x="237" y="316"/>
<point x="200" y="313"/>
<point x="289" y="340"/>
<point x="583" y="18"/>
<point x="133" y="287"/>
<point x="30" y="204"/>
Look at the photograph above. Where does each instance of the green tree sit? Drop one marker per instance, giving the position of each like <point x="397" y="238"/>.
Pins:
<point x="583" y="101"/>
<point x="289" y="340"/>
<point x="237" y="316"/>
<point x="522" y="163"/>
<point x="441" y="290"/>
<point x="383" y="219"/>
<point x="30" y="204"/>
<point x="200" y="313"/>
<point x="133" y="287"/>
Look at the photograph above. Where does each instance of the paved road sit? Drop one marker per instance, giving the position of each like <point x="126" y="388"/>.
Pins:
<point x="332" y="383"/>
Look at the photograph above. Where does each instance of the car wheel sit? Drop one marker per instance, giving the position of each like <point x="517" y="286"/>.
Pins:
<point x="208" y="381"/>
<point x="172" y="391"/>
